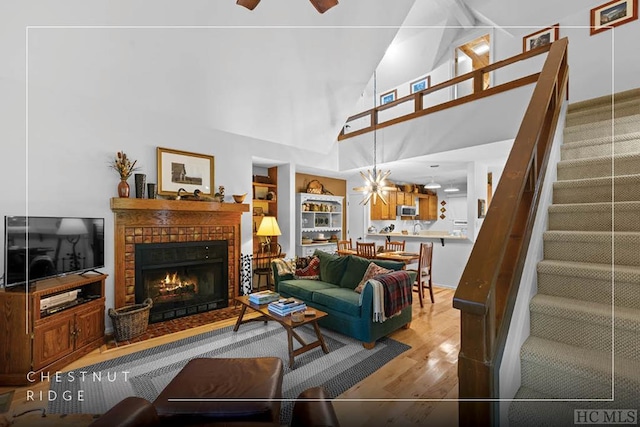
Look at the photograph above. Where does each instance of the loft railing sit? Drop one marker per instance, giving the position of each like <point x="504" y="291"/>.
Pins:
<point x="419" y="110"/>
<point x="489" y="283"/>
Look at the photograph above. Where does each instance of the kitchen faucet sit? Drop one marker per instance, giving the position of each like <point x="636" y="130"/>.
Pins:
<point x="415" y="233"/>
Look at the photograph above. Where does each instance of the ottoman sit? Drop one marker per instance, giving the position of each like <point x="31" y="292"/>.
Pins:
<point x="204" y="380"/>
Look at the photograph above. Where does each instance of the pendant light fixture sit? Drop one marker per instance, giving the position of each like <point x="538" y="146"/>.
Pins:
<point x="375" y="185"/>
<point x="432" y="185"/>
<point x="451" y="189"/>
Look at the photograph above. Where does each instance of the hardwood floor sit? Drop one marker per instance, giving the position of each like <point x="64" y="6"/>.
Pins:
<point x="419" y="387"/>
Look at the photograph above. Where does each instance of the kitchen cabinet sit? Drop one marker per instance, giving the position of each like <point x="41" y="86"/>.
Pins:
<point x="380" y="211"/>
<point x="427" y="207"/>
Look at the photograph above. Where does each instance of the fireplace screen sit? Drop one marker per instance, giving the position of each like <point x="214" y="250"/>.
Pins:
<point x="182" y="278"/>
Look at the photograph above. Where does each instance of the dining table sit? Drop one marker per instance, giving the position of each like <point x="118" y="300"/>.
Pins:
<point x="402" y="256"/>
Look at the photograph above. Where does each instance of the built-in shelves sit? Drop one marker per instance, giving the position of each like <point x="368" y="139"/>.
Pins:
<point x="264" y="202"/>
<point x="318" y="222"/>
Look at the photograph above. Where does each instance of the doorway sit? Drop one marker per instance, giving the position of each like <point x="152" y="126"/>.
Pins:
<point x="469" y="57"/>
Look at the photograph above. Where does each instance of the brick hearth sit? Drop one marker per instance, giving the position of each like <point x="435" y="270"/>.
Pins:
<point x="142" y="221"/>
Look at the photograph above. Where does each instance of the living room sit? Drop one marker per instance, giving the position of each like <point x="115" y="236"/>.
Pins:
<point x="91" y="92"/>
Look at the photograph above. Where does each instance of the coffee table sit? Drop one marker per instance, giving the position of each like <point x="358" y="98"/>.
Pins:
<point x="287" y="324"/>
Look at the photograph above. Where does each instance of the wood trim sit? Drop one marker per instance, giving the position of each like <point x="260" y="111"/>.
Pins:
<point x="416" y="97"/>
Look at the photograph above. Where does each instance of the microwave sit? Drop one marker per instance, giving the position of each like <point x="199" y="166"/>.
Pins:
<point x="406" y="210"/>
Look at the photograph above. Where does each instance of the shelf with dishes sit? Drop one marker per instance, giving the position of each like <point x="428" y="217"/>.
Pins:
<point x="318" y="223"/>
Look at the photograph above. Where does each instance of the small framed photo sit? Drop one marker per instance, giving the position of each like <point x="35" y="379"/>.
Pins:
<point x="181" y="169"/>
<point x="420" y="84"/>
<point x="541" y="38"/>
<point x="612" y="14"/>
<point x="482" y="208"/>
<point x="388" y="97"/>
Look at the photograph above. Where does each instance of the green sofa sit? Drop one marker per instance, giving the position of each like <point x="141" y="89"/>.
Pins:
<point x="334" y="293"/>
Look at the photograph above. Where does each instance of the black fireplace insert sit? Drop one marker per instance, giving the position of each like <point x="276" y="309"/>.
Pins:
<point x="182" y="278"/>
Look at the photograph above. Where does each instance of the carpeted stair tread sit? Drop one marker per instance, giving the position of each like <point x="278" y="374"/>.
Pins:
<point x="595" y="216"/>
<point x="535" y="408"/>
<point x="602" y="146"/>
<point x="590" y="270"/>
<point x="587" y="311"/>
<point x="590" y="282"/>
<point x="586" y="324"/>
<point x="602" y="128"/>
<point x="542" y="413"/>
<point x="620" y="164"/>
<point x="593" y="246"/>
<point x="605" y="111"/>
<point x="566" y="371"/>
<point x="589" y="104"/>
<point x="587" y="190"/>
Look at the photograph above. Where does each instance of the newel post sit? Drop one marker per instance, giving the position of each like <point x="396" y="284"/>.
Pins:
<point x="475" y="369"/>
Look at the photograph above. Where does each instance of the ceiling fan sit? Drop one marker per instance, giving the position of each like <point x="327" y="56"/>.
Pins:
<point x="321" y="5"/>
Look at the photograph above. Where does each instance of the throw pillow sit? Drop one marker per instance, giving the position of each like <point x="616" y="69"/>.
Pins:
<point x="311" y="271"/>
<point x="372" y="270"/>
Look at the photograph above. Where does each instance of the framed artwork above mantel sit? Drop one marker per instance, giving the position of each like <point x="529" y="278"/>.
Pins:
<point x="181" y="169"/>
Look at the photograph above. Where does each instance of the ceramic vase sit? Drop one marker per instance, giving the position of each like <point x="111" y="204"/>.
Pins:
<point x="123" y="188"/>
<point x="140" y="180"/>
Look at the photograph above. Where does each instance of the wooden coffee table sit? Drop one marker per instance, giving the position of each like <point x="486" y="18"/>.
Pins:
<point x="288" y="325"/>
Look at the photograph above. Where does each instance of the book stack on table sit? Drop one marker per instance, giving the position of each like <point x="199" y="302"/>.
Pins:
<point x="286" y="306"/>
<point x="263" y="297"/>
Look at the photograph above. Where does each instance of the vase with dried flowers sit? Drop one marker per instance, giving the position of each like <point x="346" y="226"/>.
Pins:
<point x="125" y="168"/>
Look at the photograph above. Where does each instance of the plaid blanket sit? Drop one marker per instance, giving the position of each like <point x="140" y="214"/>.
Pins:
<point x="284" y="266"/>
<point x="391" y="294"/>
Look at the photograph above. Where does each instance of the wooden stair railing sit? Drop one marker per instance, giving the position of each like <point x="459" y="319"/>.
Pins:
<point x="477" y="77"/>
<point x="486" y="293"/>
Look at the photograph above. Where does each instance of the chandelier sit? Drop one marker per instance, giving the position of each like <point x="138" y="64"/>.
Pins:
<point x="375" y="185"/>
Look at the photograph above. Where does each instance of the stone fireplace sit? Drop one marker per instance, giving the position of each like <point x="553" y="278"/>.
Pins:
<point x="151" y="229"/>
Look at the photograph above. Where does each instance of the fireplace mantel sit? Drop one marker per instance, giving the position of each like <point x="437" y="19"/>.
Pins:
<point x="118" y="204"/>
<point x="142" y="221"/>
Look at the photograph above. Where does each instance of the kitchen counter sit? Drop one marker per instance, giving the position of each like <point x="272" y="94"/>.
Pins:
<point x="440" y="235"/>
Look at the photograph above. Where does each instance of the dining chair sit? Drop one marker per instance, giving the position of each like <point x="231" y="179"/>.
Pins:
<point x="344" y="245"/>
<point x="366" y="250"/>
<point x="423" y="279"/>
<point x="262" y="264"/>
<point x="394" y="246"/>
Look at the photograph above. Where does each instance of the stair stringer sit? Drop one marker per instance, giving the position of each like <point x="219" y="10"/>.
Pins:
<point x="509" y="375"/>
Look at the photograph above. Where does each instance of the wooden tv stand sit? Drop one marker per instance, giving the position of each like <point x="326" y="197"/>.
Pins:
<point x="40" y="341"/>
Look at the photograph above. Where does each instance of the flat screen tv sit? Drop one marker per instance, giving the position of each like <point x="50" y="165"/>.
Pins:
<point x="38" y="247"/>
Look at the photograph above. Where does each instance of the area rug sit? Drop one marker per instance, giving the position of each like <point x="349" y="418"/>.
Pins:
<point x="147" y="372"/>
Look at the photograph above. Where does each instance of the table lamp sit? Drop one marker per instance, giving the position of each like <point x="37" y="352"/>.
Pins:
<point x="268" y="228"/>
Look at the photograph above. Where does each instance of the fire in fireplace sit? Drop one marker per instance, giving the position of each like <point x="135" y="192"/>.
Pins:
<point x="182" y="278"/>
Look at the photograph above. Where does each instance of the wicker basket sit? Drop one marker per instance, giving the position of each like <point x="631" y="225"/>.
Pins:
<point x="131" y="321"/>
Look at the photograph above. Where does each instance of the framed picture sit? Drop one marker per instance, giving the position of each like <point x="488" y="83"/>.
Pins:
<point x="612" y="14"/>
<point x="388" y="97"/>
<point x="180" y="169"/>
<point x="420" y="84"/>
<point x="540" y="38"/>
<point x="482" y="206"/>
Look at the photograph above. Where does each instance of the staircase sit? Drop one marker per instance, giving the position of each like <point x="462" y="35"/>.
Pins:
<point x="585" y="268"/>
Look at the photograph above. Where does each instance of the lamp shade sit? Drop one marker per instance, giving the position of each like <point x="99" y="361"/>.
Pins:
<point x="432" y="185"/>
<point x="72" y="227"/>
<point x="269" y="227"/>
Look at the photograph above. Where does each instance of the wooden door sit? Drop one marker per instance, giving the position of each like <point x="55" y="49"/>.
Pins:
<point x="89" y="326"/>
<point x="53" y="339"/>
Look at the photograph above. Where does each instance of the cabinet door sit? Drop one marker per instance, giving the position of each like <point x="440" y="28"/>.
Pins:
<point x="52" y="340"/>
<point x="89" y="326"/>
<point x="433" y="207"/>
